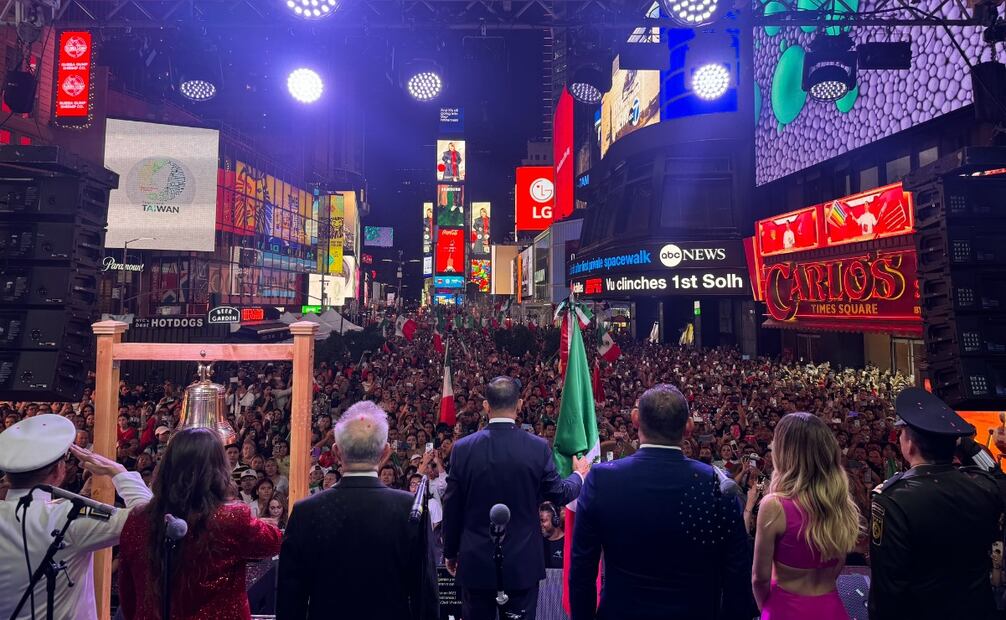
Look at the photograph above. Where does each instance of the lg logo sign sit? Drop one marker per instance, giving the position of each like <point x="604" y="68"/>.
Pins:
<point x="542" y="190"/>
<point x="671" y="255"/>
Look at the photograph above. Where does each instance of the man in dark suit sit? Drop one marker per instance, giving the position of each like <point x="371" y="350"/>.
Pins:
<point x="674" y="545"/>
<point x="351" y="552"/>
<point x="501" y="465"/>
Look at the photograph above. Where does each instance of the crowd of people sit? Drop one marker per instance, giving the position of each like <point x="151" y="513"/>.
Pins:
<point x="734" y="402"/>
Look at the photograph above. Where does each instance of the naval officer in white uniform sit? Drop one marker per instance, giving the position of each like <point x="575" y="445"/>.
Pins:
<point x="33" y="452"/>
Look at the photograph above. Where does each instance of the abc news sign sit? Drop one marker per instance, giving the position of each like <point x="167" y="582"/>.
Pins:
<point x="693" y="267"/>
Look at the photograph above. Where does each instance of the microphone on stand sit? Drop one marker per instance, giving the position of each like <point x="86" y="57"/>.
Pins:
<point x="88" y="507"/>
<point x="499" y="517"/>
<point x="176" y="528"/>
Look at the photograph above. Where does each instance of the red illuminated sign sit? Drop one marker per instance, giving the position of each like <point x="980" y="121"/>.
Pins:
<point x="791" y="232"/>
<point x="883" y="212"/>
<point x="450" y="251"/>
<point x="534" y="197"/>
<point x="73" y="75"/>
<point x="593" y="286"/>
<point x="864" y="288"/>
<point x="252" y="314"/>
<point x="562" y="153"/>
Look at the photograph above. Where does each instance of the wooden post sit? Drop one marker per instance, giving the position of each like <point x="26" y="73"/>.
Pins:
<point x="106" y="397"/>
<point x="300" y="418"/>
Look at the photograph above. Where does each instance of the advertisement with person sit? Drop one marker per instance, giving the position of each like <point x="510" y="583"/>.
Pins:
<point x="632" y="103"/>
<point x="480" y="228"/>
<point x="427" y="228"/>
<point x="450" y="250"/>
<point x="451" y="160"/>
<point x="167" y="193"/>
<point x="450" y="206"/>
<point x="534" y="198"/>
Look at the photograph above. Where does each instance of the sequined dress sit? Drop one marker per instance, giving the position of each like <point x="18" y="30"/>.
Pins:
<point x="212" y="567"/>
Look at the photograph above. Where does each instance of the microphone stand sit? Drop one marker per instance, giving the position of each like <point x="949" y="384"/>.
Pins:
<point x="169" y="549"/>
<point x="497" y="536"/>
<point x="49" y="568"/>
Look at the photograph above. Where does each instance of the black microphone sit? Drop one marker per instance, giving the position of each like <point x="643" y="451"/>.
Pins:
<point x="89" y="507"/>
<point x="417" y="504"/>
<point x="499" y="517"/>
<point x="176" y="528"/>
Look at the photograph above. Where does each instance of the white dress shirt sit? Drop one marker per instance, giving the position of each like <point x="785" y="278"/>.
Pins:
<point x="84" y="537"/>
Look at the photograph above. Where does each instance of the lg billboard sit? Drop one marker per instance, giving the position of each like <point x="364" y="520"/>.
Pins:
<point x="534" y="197"/>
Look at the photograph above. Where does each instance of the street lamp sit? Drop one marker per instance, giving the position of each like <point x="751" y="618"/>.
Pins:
<point x="122" y="296"/>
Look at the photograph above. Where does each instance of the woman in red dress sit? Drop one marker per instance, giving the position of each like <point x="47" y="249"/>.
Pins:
<point x="193" y="483"/>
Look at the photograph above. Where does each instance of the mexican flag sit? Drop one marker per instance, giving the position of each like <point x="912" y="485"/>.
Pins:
<point x="448" y="415"/>
<point x="576" y="430"/>
<point x="564" y="310"/>
<point x="406" y="327"/>
<point x="608" y="349"/>
<point x="439" y="329"/>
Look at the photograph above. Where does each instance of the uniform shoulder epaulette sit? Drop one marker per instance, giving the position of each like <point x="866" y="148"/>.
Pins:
<point x="889" y="482"/>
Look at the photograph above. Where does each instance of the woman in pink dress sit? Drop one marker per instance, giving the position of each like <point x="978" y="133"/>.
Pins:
<point x="806" y="525"/>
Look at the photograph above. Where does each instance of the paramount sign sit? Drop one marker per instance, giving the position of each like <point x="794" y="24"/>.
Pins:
<point x="110" y="264"/>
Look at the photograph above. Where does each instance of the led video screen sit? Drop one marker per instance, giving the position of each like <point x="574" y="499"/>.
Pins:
<point x="793" y="131"/>
<point x="451" y="160"/>
<point x="450" y="250"/>
<point x="450" y="206"/>
<point x="481" y="273"/>
<point x="632" y="103"/>
<point x="427" y="228"/>
<point x="378" y="236"/>
<point x="479" y="229"/>
<point x="167" y="191"/>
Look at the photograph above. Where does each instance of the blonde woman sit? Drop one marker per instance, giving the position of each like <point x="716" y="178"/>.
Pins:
<point x="806" y="525"/>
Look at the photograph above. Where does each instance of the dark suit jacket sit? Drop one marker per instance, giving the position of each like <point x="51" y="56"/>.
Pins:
<point x="350" y="552"/>
<point x="500" y="465"/>
<point x="674" y="546"/>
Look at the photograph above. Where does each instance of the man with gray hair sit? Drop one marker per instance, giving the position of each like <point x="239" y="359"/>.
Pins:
<point x="350" y="551"/>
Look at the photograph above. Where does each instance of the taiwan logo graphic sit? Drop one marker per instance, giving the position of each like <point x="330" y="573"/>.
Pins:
<point x="160" y="185"/>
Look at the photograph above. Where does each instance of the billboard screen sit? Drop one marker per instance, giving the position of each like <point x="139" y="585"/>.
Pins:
<point x="882" y="212"/>
<point x="632" y="103"/>
<point x="378" y="236"/>
<point x="534" y="197"/>
<point x="450" y="206"/>
<point x="427" y="265"/>
<point x="427" y="228"/>
<point x="167" y="186"/>
<point x="562" y="153"/>
<point x="481" y="273"/>
<point x="451" y="160"/>
<point x="452" y="121"/>
<point x="793" y="131"/>
<point x="448" y="281"/>
<point x="73" y="75"/>
<point x="450" y="250"/>
<point x="481" y="214"/>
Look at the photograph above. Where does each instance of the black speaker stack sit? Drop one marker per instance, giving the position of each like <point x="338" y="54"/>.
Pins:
<point x="53" y="210"/>
<point x="960" y="219"/>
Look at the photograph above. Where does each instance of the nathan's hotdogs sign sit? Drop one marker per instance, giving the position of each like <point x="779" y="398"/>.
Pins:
<point x="869" y="286"/>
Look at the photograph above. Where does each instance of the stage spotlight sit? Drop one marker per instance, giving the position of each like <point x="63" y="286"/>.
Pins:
<point x="305" y="85"/>
<point x="313" y="9"/>
<point x="589" y="83"/>
<point x="829" y="68"/>
<point x="710" y="81"/>
<point x="693" y="13"/>
<point x="424" y="85"/>
<point x="197" y="89"/>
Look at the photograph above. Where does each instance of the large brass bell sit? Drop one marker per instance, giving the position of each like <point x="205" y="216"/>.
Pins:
<point x="204" y="407"/>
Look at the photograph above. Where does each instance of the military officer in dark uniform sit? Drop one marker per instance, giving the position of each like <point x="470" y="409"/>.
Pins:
<point x="933" y="526"/>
